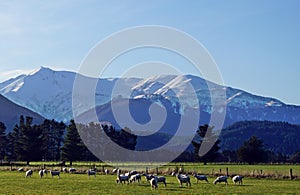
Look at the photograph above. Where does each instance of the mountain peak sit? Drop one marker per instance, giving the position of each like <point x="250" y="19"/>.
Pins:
<point x="49" y="93"/>
<point x="41" y="69"/>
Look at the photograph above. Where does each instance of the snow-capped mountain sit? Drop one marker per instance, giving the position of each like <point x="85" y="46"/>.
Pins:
<point x="45" y="91"/>
<point x="49" y="93"/>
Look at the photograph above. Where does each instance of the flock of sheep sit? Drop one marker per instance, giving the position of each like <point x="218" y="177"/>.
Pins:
<point x="134" y="176"/>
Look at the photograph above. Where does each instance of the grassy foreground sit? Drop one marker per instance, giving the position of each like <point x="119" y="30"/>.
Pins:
<point x="16" y="183"/>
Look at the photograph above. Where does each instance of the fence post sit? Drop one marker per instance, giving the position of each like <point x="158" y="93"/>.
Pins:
<point x="147" y="170"/>
<point x="220" y="170"/>
<point x="291" y="174"/>
<point x="227" y="171"/>
<point x="156" y="170"/>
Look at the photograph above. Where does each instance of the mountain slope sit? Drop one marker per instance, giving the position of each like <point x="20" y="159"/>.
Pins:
<point x="10" y="113"/>
<point x="279" y="137"/>
<point x="49" y="93"/>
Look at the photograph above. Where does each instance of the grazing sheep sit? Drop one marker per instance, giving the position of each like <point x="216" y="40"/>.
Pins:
<point x="130" y="173"/>
<point x="64" y="170"/>
<point x="135" y="178"/>
<point x="221" y="179"/>
<point x="201" y="178"/>
<point x="21" y="169"/>
<point x="106" y="171"/>
<point x="148" y="177"/>
<point x="173" y="174"/>
<point x="134" y="172"/>
<point x="153" y="183"/>
<point x="72" y="170"/>
<point x="127" y="174"/>
<point x="183" y="179"/>
<point x="41" y="173"/>
<point x="122" y="178"/>
<point x="91" y="172"/>
<point x="45" y="172"/>
<point x="237" y="179"/>
<point x="115" y="171"/>
<point x="28" y="173"/>
<point x="161" y="179"/>
<point x="55" y="173"/>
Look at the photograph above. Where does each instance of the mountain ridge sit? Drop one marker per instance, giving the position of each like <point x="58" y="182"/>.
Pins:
<point x="49" y="93"/>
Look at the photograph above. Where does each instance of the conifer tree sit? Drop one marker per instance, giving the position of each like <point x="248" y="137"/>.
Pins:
<point x="3" y="140"/>
<point x="252" y="151"/>
<point x="73" y="147"/>
<point x="205" y="134"/>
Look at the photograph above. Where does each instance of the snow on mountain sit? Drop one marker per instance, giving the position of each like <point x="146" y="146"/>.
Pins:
<point x="242" y="99"/>
<point x="49" y="93"/>
<point x="45" y="91"/>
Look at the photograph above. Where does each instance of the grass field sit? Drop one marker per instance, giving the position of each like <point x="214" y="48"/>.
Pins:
<point x="211" y="168"/>
<point x="274" y="171"/>
<point x="13" y="182"/>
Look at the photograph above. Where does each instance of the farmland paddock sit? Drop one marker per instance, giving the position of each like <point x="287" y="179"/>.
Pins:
<point x="271" y="171"/>
<point x="13" y="182"/>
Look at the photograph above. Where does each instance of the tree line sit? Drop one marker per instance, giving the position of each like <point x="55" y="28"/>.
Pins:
<point x="56" y="141"/>
<point x="251" y="151"/>
<point x="52" y="141"/>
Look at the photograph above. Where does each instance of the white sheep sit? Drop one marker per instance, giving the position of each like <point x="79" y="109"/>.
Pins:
<point x="161" y="179"/>
<point x="127" y="174"/>
<point x="55" y="173"/>
<point x="91" y="172"/>
<point x="237" y="179"/>
<point x="41" y="173"/>
<point x="130" y="173"/>
<point x="45" y="172"/>
<point x="173" y="174"/>
<point x="201" y="178"/>
<point x="28" y="173"/>
<point x="122" y="178"/>
<point x="106" y="171"/>
<point x="21" y="169"/>
<point x="135" y="178"/>
<point x="148" y="177"/>
<point x="115" y="171"/>
<point x="183" y="179"/>
<point x="64" y="170"/>
<point x="134" y="172"/>
<point x="153" y="183"/>
<point x="72" y="170"/>
<point x="221" y="179"/>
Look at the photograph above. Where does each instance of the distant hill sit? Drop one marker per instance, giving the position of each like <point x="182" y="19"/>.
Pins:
<point x="277" y="136"/>
<point x="10" y="113"/>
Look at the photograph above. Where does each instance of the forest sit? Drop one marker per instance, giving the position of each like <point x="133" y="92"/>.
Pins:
<point x="56" y="141"/>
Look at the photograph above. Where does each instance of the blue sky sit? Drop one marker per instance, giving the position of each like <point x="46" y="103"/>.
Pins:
<point x="256" y="44"/>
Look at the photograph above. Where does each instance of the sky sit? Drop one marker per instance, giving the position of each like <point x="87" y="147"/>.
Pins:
<point x="255" y="44"/>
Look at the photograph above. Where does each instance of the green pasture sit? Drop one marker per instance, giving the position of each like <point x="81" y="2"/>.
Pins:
<point x="274" y="171"/>
<point x="14" y="182"/>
